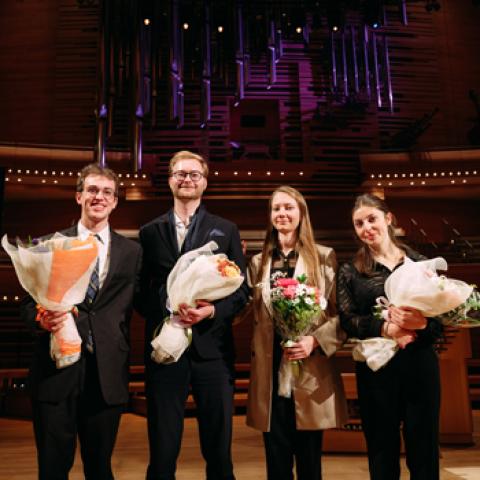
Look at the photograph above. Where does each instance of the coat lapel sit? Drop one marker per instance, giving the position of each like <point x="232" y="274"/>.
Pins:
<point x="166" y="230"/>
<point x="299" y="267"/>
<point x="114" y="260"/>
<point x="266" y="288"/>
<point x="198" y="234"/>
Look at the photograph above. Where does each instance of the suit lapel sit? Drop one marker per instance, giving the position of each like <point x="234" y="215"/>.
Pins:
<point x="114" y="260"/>
<point x="166" y="230"/>
<point x="198" y="234"/>
<point x="70" y="232"/>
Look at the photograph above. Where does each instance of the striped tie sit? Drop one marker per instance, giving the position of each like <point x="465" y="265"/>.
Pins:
<point x="94" y="283"/>
<point x="92" y="290"/>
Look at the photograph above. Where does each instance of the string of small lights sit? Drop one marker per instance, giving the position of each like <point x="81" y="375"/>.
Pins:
<point x="55" y="177"/>
<point x="11" y="298"/>
<point x="422" y="178"/>
<point x="131" y="179"/>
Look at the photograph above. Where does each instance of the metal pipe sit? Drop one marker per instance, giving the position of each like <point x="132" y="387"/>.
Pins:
<point x="403" y="11"/>
<point x="376" y="71"/>
<point x="205" y="101"/>
<point x="388" y="74"/>
<point x="334" y="61"/>
<point x="240" y="53"/>
<point x="102" y="84"/>
<point x="272" y="56"/>
<point x="137" y="75"/>
<point x="176" y="82"/>
<point x="355" y="61"/>
<point x="345" y="66"/>
<point x="366" y="62"/>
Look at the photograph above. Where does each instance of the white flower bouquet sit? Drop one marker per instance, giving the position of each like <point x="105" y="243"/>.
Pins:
<point x="56" y="273"/>
<point x="417" y="285"/>
<point x="198" y="275"/>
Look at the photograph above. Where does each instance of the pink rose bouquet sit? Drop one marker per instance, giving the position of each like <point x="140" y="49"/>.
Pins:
<point x="297" y="307"/>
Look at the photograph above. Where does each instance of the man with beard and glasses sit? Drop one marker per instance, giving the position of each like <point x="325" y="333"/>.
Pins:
<point x="206" y="367"/>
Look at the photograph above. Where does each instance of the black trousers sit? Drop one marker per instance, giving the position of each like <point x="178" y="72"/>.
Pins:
<point x="284" y="444"/>
<point x="83" y="413"/>
<point x="406" y="391"/>
<point x="167" y="390"/>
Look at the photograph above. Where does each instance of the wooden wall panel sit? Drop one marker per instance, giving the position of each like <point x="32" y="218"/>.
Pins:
<point x="48" y="59"/>
<point x="48" y="76"/>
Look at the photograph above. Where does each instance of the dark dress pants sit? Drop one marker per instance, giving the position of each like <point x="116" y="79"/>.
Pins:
<point x="167" y="390"/>
<point x="406" y="391"/>
<point x="83" y="413"/>
<point x="284" y="443"/>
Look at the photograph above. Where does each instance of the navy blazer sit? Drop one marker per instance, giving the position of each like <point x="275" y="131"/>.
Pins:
<point x="212" y="338"/>
<point x="109" y="316"/>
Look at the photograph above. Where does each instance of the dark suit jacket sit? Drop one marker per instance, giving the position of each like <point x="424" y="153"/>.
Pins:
<point x="109" y="316"/>
<point x="212" y="338"/>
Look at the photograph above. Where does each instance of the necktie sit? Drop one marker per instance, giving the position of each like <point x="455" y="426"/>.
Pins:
<point x="94" y="283"/>
<point x="92" y="290"/>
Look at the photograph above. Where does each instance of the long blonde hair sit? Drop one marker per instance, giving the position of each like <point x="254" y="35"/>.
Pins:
<point x="305" y="239"/>
<point x="363" y="259"/>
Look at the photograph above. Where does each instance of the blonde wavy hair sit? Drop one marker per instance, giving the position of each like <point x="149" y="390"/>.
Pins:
<point x="305" y="239"/>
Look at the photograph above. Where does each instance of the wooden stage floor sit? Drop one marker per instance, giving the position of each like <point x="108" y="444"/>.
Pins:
<point x="17" y="454"/>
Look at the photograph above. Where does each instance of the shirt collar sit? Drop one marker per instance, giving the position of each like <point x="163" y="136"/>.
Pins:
<point x="104" y="234"/>
<point x="277" y="253"/>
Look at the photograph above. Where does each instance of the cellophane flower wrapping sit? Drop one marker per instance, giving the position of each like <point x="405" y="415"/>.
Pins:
<point x="198" y="275"/>
<point x="56" y="273"/>
<point x="297" y="307"/>
<point x="417" y="285"/>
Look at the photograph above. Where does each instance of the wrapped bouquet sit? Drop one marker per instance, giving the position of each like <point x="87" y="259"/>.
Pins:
<point x="56" y="273"/>
<point x="198" y="275"/>
<point x="417" y="285"/>
<point x="296" y="308"/>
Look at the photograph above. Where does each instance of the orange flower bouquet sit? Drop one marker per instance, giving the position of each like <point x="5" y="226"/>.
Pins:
<point x="198" y="275"/>
<point x="56" y="273"/>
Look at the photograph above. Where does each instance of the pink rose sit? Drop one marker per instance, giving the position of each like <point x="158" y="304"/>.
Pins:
<point x="290" y="291"/>
<point x="286" y="282"/>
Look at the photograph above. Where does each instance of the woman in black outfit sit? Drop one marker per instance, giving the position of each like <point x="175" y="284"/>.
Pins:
<point x="407" y="390"/>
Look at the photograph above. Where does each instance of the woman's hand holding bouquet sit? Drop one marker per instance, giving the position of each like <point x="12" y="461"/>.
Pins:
<point x="302" y="348"/>
<point x="198" y="278"/>
<point x="401" y="324"/>
<point x="296" y="307"/>
<point x="421" y="293"/>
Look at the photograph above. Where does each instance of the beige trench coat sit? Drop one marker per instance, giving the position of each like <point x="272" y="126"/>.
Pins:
<point x="318" y="393"/>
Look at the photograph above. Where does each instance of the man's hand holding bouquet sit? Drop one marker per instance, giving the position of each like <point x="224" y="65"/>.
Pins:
<point x="198" y="278"/>
<point x="420" y="292"/>
<point x="56" y="273"/>
<point x="297" y="308"/>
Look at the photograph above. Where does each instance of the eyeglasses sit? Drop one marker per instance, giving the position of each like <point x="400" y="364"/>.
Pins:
<point x="180" y="175"/>
<point x="107" y="193"/>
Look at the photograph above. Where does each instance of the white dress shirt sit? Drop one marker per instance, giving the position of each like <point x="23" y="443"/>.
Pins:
<point x="103" y="248"/>
<point x="181" y="230"/>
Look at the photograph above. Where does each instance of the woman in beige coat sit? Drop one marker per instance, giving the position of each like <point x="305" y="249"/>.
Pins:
<point x="293" y="426"/>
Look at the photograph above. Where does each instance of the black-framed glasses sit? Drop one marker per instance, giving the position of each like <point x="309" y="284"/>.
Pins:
<point x="180" y="175"/>
<point x="107" y="193"/>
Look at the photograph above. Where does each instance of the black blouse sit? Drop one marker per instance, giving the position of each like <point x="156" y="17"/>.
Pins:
<point x="356" y="297"/>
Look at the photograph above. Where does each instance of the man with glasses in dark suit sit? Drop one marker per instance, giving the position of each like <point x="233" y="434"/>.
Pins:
<point x="206" y="367"/>
<point x="86" y="399"/>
